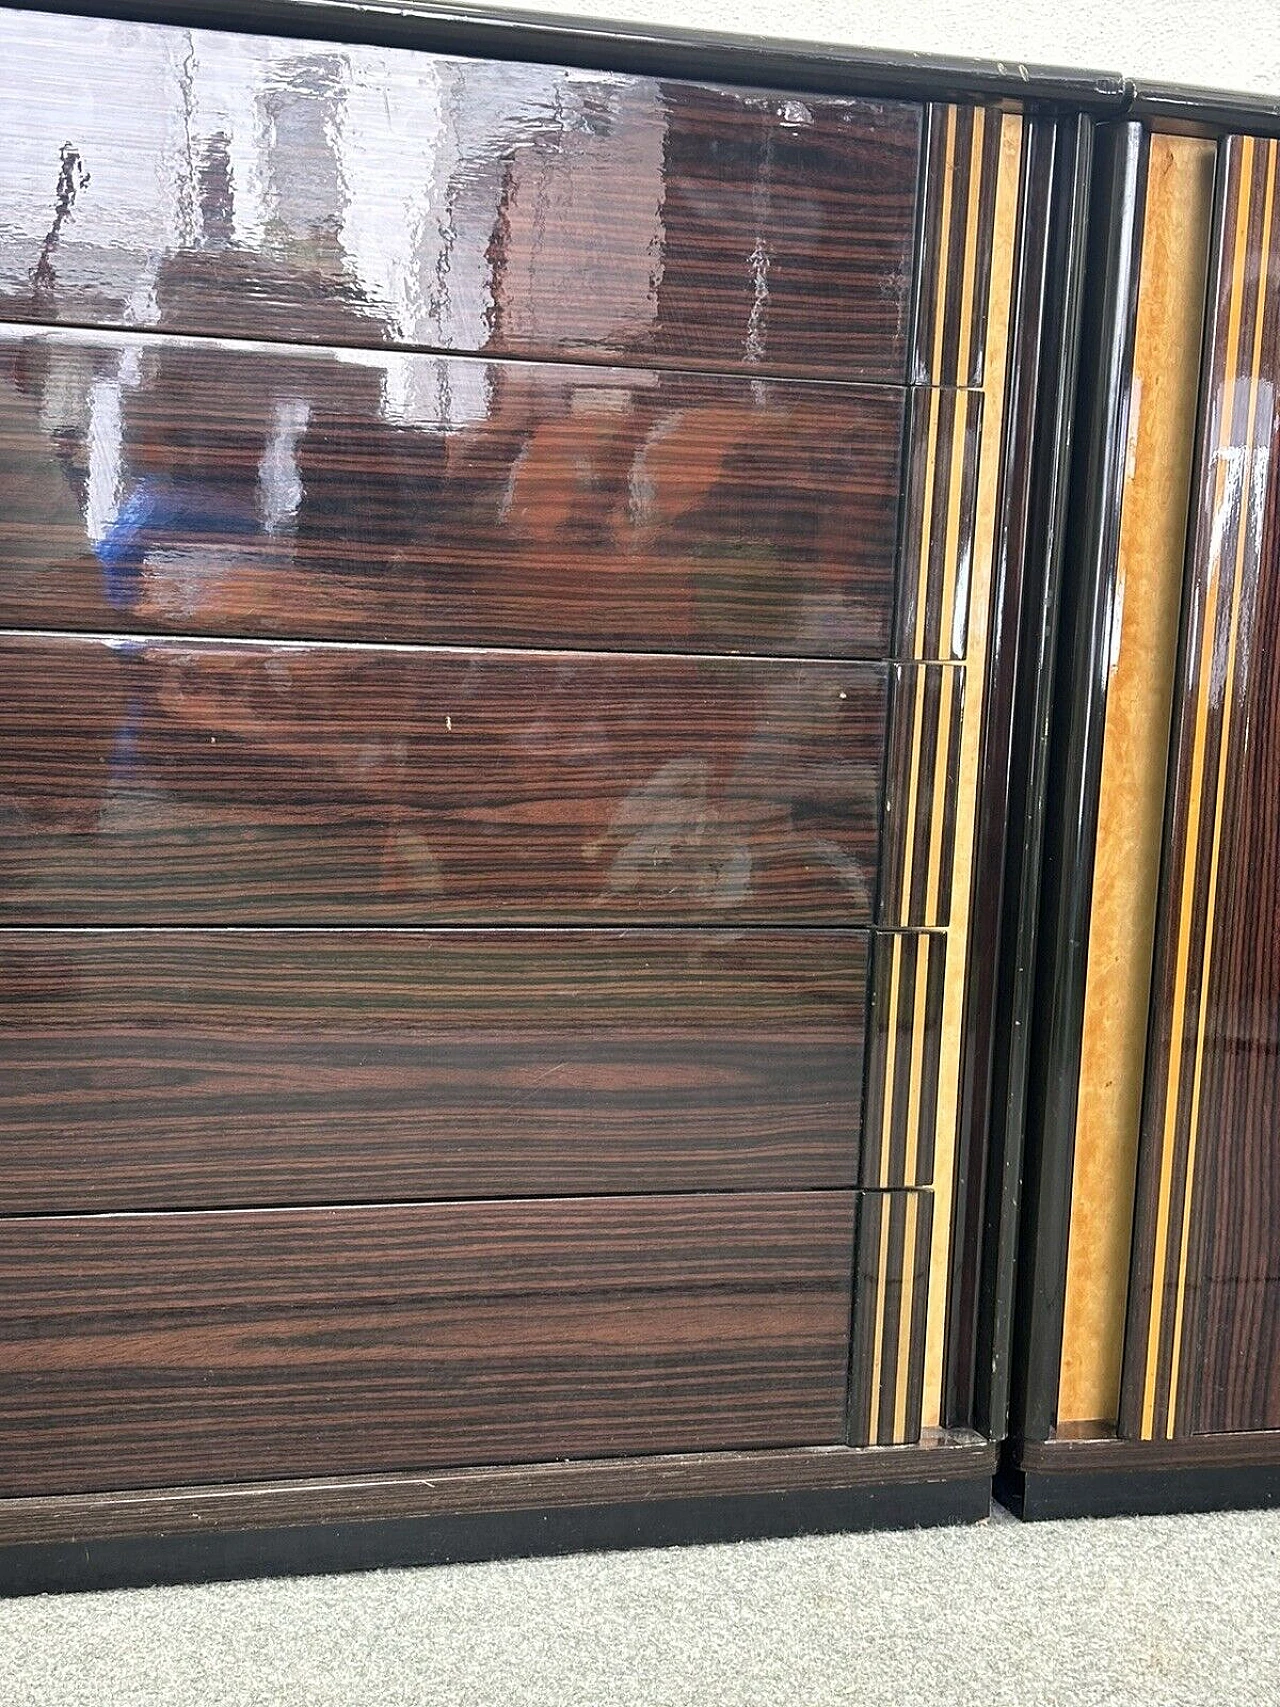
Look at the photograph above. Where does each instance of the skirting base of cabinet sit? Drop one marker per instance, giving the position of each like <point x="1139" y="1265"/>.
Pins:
<point x="1105" y="1477"/>
<point x="166" y="1535"/>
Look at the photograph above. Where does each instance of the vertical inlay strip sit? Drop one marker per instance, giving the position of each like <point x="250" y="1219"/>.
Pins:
<point x="908" y="970"/>
<point x="894" y="1235"/>
<point x="964" y="163"/>
<point x="925" y="726"/>
<point x="1001" y="180"/>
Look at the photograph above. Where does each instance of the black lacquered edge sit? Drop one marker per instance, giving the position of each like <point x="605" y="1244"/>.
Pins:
<point x="1051" y="359"/>
<point x="314" y="1549"/>
<point x="1203" y="112"/>
<point x="1074" y="768"/>
<point x="1115" y="1478"/>
<point x="643" y="49"/>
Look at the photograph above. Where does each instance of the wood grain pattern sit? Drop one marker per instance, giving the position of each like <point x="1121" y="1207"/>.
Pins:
<point x="215" y="1508"/>
<point x="156" y="484"/>
<point x="958" y="224"/>
<point x="1203" y="1340"/>
<point x="904" y="1043"/>
<point x="890" y="1308"/>
<point x="201" y="1069"/>
<point x="316" y="192"/>
<point x="1148" y="599"/>
<point x="188" y="1348"/>
<point x="166" y="782"/>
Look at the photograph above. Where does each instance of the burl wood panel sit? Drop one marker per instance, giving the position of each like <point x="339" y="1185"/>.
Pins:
<point x="166" y="1349"/>
<point x="195" y="1069"/>
<point x="158" y="782"/>
<point x="1148" y="601"/>
<point x="1203" y="1346"/>
<point x="316" y="192"/>
<point x="193" y="487"/>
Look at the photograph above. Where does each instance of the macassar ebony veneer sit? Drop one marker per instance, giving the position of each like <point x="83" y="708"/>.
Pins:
<point x="510" y="583"/>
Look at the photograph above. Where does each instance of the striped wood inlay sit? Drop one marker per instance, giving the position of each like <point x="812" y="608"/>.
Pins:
<point x="1206" y="855"/>
<point x="918" y="836"/>
<point x="958" y="207"/>
<point x="1003" y="194"/>
<point x="890" y="1292"/>
<point x="904" y="1036"/>
<point x="937" y="557"/>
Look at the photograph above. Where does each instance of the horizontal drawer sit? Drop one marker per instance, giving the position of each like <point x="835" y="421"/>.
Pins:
<point x="179" y="486"/>
<point x="162" y="1349"/>
<point x="166" y="782"/>
<point x="198" y="1069"/>
<point x="352" y="194"/>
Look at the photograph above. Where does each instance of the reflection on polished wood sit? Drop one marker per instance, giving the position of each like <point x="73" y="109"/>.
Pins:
<point x="1202" y="1350"/>
<point x="318" y="192"/>
<point x="197" y="1069"/>
<point x="184" y="486"/>
<point x="158" y="782"/>
<point x="164" y="1349"/>
<point x="1166" y="379"/>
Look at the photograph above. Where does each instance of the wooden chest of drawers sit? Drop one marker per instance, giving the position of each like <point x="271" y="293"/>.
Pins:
<point x="508" y="580"/>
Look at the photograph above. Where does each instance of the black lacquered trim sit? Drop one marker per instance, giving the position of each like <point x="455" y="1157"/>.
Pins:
<point x="1074" y="767"/>
<point x="316" y="1549"/>
<point x="644" y="49"/>
<point x="1053" y="278"/>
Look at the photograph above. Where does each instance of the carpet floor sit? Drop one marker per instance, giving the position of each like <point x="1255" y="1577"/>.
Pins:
<point x="1140" y="1612"/>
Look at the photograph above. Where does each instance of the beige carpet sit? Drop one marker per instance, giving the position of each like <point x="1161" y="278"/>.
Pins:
<point x="1169" y="1611"/>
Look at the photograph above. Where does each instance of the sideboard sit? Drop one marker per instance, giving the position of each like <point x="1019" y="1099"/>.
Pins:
<point x="580" y="795"/>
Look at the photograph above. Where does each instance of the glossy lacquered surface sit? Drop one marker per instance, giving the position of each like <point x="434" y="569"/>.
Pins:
<point x="358" y="195"/>
<point x="171" y="1069"/>
<point x="195" y="487"/>
<point x="176" y="1348"/>
<point x="1203" y="1346"/>
<point x="162" y="782"/>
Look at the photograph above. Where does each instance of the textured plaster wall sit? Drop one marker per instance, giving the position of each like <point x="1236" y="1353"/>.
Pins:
<point x="1226" y="44"/>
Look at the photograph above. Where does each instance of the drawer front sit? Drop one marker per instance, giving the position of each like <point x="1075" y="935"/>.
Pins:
<point x="346" y="194"/>
<point x="204" y="783"/>
<point x="302" y="493"/>
<point x="163" y="1349"/>
<point x="198" y="1069"/>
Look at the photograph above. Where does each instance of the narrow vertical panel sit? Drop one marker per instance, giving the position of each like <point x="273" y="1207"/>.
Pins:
<point x="917" y="852"/>
<point x="1166" y="377"/>
<point x="890" y="1312"/>
<point x="1203" y="1336"/>
<point x="1008" y="138"/>
<point x="903" y="1051"/>
<point x="937" y="550"/>
<point x="958" y="222"/>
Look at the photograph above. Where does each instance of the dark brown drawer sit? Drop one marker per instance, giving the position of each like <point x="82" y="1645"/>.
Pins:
<point x="346" y="194"/>
<point x="162" y="1349"/>
<point x="302" y="493"/>
<point x="167" y="782"/>
<point x="198" y="1069"/>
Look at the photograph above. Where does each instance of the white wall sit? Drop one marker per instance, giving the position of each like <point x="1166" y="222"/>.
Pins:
<point x="1226" y="44"/>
